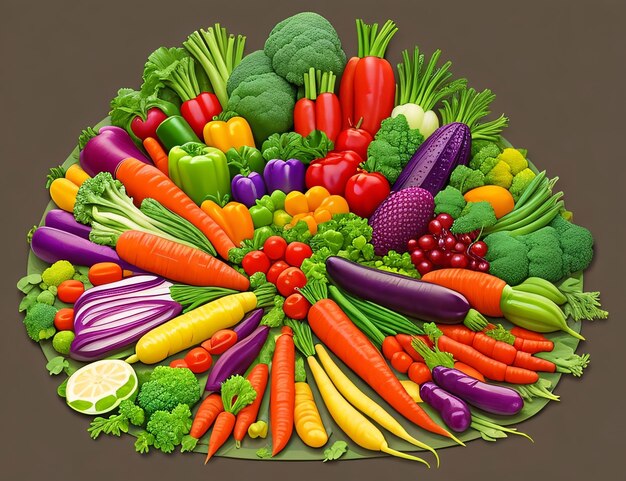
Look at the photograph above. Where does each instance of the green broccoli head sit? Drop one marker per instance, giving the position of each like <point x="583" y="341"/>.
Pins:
<point x="303" y="41"/>
<point x="253" y="64"/>
<point x="135" y="414"/>
<point x="507" y="257"/>
<point x="514" y="159"/>
<point x="576" y="243"/>
<point x="545" y="256"/>
<point x="465" y="178"/>
<point x="168" y="428"/>
<point x="478" y="145"/>
<point x="168" y="387"/>
<point x="520" y="182"/>
<point x="58" y="272"/>
<point x="101" y="191"/>
<point x="449" y="201"/>
<point x="266" y="101"/>
<point x="487" y="150"/>
<point x="392" y="147"/>
<point x="475" y="216"/>
<point x="39" y="321"/>
<point x="500" y="174"/>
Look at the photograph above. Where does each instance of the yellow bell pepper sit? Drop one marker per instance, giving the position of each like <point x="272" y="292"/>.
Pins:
<point x="64" y="184"/>
<point x="314" y="207"/>
<point x="235" y="132"/>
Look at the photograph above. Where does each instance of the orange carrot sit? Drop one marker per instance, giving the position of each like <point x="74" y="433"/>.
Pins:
<point x="419" y="373"/>
<point x="337" y="332"/>
<point x="490" y="347"/>
<point x="283" y="391"/>
<point x="208" y="411"/>
<point x="177" y="262"/>
<point x="483" y="291"/>
<point x="142" y="180"/>
<point x="157" y="154"/>
<point x="469" y="370"/>
<point x="527" y="334"/>
<point x="531" y="346"/>
<point x="237" y="393"/>
<point x="528" y="361"/>
<point x="458" y="332"/>
<point x="258" y="378"/>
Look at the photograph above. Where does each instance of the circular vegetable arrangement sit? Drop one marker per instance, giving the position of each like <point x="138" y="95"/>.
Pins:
<point x="293" y="255"/>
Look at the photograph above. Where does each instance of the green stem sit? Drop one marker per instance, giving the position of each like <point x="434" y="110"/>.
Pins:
<point x="537" y="390"/>
<point x="302" y="337"/>
<point x="479" y="424"/>
<point x="371" y="42"/>
<point x="530" y="189"/>
<point x="475" y="321"/>
<point x="539" y="223"/>
<point x="357" y="317"/>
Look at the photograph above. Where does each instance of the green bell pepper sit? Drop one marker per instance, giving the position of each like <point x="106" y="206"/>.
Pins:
<point x="261" y="216"/>
<point x="200" y="171"/>
<point x="175" y="131"/>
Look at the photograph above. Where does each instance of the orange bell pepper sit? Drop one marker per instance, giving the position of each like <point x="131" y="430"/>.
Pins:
<point x="234" y="218"/>
<point x="314" y="207"/>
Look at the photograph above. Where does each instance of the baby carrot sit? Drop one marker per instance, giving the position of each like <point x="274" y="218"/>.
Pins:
<point x="258" y="379"/>
<point x="282" y="400"/>
<point x="208" y="411"/>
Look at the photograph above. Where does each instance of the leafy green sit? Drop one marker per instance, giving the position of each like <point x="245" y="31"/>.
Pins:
<point x="275" y="316"/>
<point x="168" y="428"/>
<point x="56" y="365"/>
<point x="338" y="449"/>
<point x="237" y="393"/>
<point x="114" y="426"/>
<point x="292" y="145"/>
<point x="264" y="453"/>
<point x="257" y="280"/>
<point x="26" y="283"/>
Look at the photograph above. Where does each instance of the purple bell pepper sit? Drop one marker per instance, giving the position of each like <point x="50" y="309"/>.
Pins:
<point x="285" y="175"/>
<point x="105" y="149"/>
<point x="248" y="189"/>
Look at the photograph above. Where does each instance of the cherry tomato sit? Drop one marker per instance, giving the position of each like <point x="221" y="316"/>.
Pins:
<point x="390" y="347"/>
<point x="296" y="253"/>
<point x="64" y="319"/>
<point x="419" y="373"/>
<point x="401" y="361"/>
<point x="296" y="306"/>
<point x="275" y="270"/>
<point x="220" y="342"/>
<point x="69" y="291"/>
<point x="289" y="279"/>
<point x="178" y="363"/>
<point x="274" y="247"/>
<point x="105" y="273"/>
<point x="198" y="360"/>
<point x="255" y="261"/>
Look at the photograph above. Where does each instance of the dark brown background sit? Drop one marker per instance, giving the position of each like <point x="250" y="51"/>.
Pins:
<point x="557" y="68"/>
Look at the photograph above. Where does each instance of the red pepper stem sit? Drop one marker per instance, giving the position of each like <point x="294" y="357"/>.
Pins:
<point x="371" y="41"/>
<point x="310" y="87"/>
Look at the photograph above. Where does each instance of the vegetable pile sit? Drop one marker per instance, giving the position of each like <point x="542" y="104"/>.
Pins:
<point x="293" y="254"/>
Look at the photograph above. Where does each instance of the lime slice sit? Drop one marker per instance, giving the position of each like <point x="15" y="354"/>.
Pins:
<point x="99" y="387"/>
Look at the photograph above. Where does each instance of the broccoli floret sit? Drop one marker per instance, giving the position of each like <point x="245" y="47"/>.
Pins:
<point x="257" y="280"/>
<point x="168" y="387"/>
<point x="576" y="243"/>
<point x="487" y="164"/>
<point x="168" y="428"/>
<point x="500" y="175"/>
<point x="275" y="316"/>
<point x="303" y="41"/>
<point x="545" y="256"/>
<point x="487" y="150"/>
<point x="507" y="257"/>
<point x="253" y="64"/>
<point x="392" y="147"/>
<point x="39" y="321"/>
<point x="329" y="238"/>
<point x="449" y="201"/>
<point x="135" y="414"/>
<point x="266" y="101"/>
<point x="58" y="272"/>
<point x="298" y="233"/>
<point x="478" y="145"/>
<point x="475" y="216"/>
<point x="515" y="159"/>
<point x="520" y="182"/>
<point x="464" y="178"/>
<point x="62" y="341"/>
<point x="46" y="297"/>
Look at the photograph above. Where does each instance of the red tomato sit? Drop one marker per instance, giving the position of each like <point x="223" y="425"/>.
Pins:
<point x="296" y="306"/>
<point x="64" y="319"/>
<point x="289" y="279"/>
<point x="220" y="342"/>
<point x="70" y="291"/>
<point x="178" y="363"/>
<point x="419" y="373"/>
<point x="198" y="360"/>
<point x="275" y="270"/>
<point x="390" y="347"/>
<point x="365" y="191"/>
<point x="274" y="247"/>
<point x="296" y="253"/>
<point x="401" y="361"/>
<point x="255" y="261"/>
<point x="105" y="273"/>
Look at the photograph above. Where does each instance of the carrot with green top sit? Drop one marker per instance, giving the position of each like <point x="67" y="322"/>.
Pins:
<point x="257" y="376"/>
<point x="206" y="415"/>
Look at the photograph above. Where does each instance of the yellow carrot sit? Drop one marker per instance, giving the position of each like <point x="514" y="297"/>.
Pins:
<point x="63" y="193"/>
<point x="413" y="389"/>
<point x="192" y="328"/>
<point x="76" y="174"/>
<point x="307" y="418"/>
<point x="356" y="426"/>
<point x="363" y="403"/>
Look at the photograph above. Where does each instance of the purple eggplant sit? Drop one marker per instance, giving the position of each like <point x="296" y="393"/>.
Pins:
<point x="247" y="189"/>
<point x="52" y="245"/>
<point x="237" y="359"/>
<point x="413" y="298"/>
<point x="248" y="324"/>
<point x="104" y="150"/>
<point x="431" y="166"/>
<point x="454" y="411"/>
<point x="285" y="175"/>
<point x="488" y="397"/>
<point x="59" y="219"/>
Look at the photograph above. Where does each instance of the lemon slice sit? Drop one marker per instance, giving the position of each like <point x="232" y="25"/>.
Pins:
<point x="99" y="387"/>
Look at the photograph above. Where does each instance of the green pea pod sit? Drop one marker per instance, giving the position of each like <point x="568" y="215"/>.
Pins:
<point x="541" y="287"/>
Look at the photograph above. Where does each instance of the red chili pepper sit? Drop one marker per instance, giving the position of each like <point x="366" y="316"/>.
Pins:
<point x="333" y="171"/>
<point x="365" y="191"/>
<point x="319" y="109"/>
<point x="368" y="86"/>
<point x="354" y="138"/>
<point x="220" y="342"/>
<point x="200" y="111"/>
<point x="147" y="128"/>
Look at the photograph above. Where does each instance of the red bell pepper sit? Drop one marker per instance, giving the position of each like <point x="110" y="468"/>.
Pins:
<point x="365" y="191"/>
<point x="200" y="111"/>
<point x="368" y="86"/>
<point x="333" y="171"/>
<point x="354" y="138"/>
<point x="319" y="109"/>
